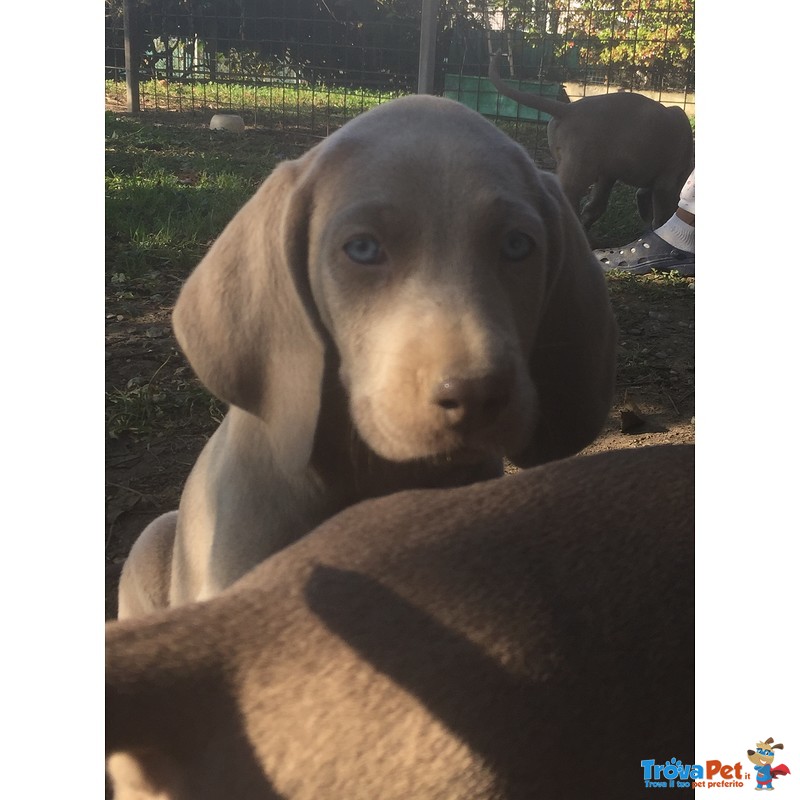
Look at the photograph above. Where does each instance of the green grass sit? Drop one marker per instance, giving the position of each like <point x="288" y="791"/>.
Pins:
<point x="169" y="191"/>
<point x="145" y="409"/>
<point x="298" y="104"/>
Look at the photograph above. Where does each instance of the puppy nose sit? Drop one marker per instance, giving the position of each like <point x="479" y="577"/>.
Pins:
<point x="473" y="403"/>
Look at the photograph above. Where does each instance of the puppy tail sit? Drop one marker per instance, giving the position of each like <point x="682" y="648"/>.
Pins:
<point x="555" y="108"/>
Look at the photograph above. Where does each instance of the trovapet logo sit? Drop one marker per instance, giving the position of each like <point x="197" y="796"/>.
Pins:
<point x="677" y="775"/>
<point x="716" y="774"/>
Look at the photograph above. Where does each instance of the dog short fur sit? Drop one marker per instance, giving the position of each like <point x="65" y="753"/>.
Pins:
<point x="401" y="307"/>
<point x="528" y="636"/>
<point x="603" y="139"/>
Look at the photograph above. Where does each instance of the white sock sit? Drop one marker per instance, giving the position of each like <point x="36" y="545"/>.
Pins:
<point x="678" y="233"/>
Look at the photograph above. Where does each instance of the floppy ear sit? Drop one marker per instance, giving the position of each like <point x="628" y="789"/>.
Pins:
<point x="245" y="317"/>
<point x="573" y="364"/>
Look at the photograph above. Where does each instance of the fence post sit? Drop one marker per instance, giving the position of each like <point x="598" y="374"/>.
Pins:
<point x="131" y="56"/>
<point x="427" y="46"/>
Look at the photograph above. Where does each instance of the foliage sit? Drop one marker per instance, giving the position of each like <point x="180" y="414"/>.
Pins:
<point x="628" y="34"/>
<point x="368" y="41"/>
<point x="647" y="41"/>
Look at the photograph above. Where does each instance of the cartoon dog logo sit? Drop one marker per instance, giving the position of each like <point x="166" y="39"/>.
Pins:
<point x="762" y="757"/>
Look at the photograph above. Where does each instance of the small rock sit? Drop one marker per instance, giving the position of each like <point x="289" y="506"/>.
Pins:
<point x="227" y="122"/>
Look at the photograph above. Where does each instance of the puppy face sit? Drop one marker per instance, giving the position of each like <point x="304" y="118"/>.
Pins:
<point x="420" y="253"/>
<point x="427" y="260"/>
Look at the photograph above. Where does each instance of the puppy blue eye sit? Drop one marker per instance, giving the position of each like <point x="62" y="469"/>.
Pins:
<point x="516" y="246"/>
<point x="365" y="250"/>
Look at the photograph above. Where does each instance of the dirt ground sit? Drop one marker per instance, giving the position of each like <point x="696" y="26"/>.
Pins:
<point x="146" y="469"/>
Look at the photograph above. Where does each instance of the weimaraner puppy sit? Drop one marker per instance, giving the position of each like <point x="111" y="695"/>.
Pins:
<point x="400" y="307"/>
<point x="625" y="137"/>
<point x="524" y="637"/>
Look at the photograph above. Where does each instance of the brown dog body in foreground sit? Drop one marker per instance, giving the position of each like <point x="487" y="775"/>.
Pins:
<point x="399" y="308"/>
<point x="627" y="137"/>
<point x="529" y="636"/>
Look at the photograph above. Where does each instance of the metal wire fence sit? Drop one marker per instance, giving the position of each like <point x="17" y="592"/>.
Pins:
<point x="313" y="64"/>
